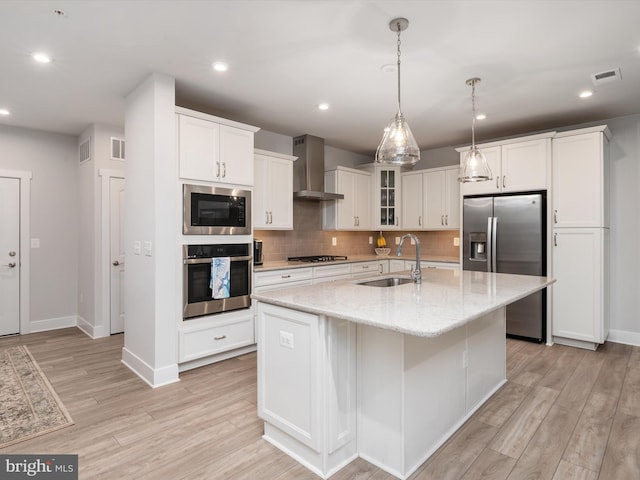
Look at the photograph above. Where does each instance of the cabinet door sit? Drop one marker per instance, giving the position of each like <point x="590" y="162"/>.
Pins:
<point x="578" y="195"/>
<point x="493" y="156"/>
<point x="578" y="291"/>
<point x="386" y="199"/>
<point x="281" y="194"/>
<point x="362" y="199"/>
<point x="434" y="195"/>
<point x="346" y="216"/>
<point x="259" y="199"/>
<point x="412" y="218"/>
<point x="236" y="156"/>
<point x="452" y="199"/>
<point x="524" y="165"/>
<point x="198" y="148"/>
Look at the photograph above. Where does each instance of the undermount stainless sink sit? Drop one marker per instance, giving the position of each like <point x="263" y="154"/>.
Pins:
<point x="386" y="282"/>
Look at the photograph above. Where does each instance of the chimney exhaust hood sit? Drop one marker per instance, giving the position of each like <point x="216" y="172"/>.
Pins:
<point x="308" y="170"/>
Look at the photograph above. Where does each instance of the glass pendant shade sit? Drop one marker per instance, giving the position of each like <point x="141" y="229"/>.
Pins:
<point x="398" y="147"/>
<point x="475" y="167"/>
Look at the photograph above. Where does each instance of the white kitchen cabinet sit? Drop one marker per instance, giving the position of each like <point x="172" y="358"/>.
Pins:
<point x="386" y="196"/>
<point x="431" y="199"/>
<point x="215" y="335"/>
<point x="396" y="266"/>
<point x="307" y="385"/>
<point x="331" y="273"/>
<point x="282" y="278"/>
<point x="517" y="165"/>
<point x="445" y="265"/>
<point x="369" y="269"/>
<point x="213" y="149"/>
<point x="580" y="294"/>
<point x="581" y="178"/>
<point x="354" y="211"/>
<point x="273" y="191"/>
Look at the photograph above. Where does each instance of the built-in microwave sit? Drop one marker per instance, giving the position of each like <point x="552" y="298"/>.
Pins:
<point x="209" y="210"/>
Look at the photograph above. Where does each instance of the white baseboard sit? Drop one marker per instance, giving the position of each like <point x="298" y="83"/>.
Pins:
<point x="90" y="330"/>
<point x="52" y="324"/>
<point x="153" y="377"/>
<point x="622" y="336"/>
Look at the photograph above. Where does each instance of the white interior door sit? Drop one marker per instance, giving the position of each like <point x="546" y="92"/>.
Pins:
<point x="116" y="246"/>
<point x="9" y="256"/>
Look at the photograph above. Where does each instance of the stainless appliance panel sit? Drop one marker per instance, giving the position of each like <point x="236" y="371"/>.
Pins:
<point x="524" y="317"/>
<point x="476" y="234"/>
<point x="222" y="211"/>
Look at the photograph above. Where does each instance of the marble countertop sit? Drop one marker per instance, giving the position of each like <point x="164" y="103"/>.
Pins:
<point x="445" y="300"/>
<point x="279" y="265"/>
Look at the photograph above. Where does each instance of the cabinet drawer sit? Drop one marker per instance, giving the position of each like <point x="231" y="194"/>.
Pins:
<point x="282" y="276"/>
<point x="208" y="340"/>
<point x="276" y="286"/>
<point x="365" y="268"/>
<point x="447" y="265"/>
<point x="332" y="270"/>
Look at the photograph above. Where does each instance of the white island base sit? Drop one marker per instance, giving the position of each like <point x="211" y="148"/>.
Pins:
<point x="330" y="390"/>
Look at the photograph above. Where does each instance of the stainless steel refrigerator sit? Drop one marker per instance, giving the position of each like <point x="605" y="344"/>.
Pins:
<point x="507" y="234"/>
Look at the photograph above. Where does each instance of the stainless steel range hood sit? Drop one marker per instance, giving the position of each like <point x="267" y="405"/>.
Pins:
<point x="308" y="170"/>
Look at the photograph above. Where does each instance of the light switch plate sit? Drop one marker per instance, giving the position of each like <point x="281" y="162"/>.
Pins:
<point x="137" y="247"/>
<point x="286" y="339"/>
<point x="147" y="249"/>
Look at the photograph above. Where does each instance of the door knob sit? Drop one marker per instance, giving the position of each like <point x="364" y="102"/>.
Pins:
<point x="12" y="254"/>
<point x="116" y="263"/>
<point x="10" y="265"/>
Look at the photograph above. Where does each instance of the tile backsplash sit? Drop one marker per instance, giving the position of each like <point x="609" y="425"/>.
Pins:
<point x="308" y="238"/>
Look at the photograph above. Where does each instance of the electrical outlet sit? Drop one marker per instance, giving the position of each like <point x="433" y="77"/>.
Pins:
<point x="456" y="241"/>
<point x="413" y="242"/>
<point x="397" y="240"/>
<point x="370" y="240"/>
<point x="286" y="339"/>
<point x="137" y="247"/>
<point x="334" y="241"/>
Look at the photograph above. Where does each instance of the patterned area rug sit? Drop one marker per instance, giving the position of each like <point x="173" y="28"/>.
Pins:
<point x="30" y="406"/>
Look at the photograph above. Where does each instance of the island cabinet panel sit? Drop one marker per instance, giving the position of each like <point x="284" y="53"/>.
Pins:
<point x="307" y="386"/>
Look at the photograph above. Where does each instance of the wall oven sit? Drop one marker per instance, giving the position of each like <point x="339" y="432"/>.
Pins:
<point x="197" y="278"/>
<point x="209" y="210"/>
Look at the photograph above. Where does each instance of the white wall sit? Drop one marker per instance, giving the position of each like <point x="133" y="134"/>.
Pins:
<point x="52" y="158"/>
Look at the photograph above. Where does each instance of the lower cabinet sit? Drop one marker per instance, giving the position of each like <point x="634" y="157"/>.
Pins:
<point x="307" y="385"/>
<point x="216" y="334"/>
<point x="580" y="294"/>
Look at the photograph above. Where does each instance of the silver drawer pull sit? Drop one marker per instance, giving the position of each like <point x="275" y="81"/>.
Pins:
<point x="365" y="266"/>
<point x="221" y="337"/>
<point x="285" y="276"/>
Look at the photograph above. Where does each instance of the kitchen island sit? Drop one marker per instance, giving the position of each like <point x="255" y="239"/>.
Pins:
<point x="384" y="373"/>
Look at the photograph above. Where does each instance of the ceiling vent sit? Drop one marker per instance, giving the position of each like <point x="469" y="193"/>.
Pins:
<point x="606" y="76"/>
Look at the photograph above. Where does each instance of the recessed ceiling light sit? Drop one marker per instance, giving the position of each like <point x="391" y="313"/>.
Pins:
<point x="323" y="106"/>
<point x="481" y="116"/>
<point x="220" y="67"/>
<point x="41" y="57"/>
<point x="4" y="111"/>
<point x="586" y="94"/>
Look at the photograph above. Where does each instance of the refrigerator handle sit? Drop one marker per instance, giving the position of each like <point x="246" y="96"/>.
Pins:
<point x="489" y="243"/>
<point x="494" y="245"/>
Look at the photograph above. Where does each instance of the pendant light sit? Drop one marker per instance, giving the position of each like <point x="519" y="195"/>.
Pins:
<point x="474" y="167"/>
<point x="398" y="147"/>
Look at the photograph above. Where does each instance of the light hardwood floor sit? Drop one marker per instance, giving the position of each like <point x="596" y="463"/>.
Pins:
<point x="564" y="414"/>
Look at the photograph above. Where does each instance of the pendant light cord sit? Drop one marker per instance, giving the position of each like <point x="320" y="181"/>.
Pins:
<point x="399" y="110"/>
<point x="473" y="113"/>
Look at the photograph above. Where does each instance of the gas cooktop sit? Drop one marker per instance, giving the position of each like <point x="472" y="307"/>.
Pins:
<point x="317" y="258"/>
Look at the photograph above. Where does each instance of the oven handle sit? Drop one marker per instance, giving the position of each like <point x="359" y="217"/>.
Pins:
<point x="191" y="261"/>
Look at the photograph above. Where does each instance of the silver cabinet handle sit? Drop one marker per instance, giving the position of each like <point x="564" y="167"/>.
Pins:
<point x="218" y="169"/>
<point x="446" y="220"/>
<point x="555" y="239"/>
<point x="116" y="263"/>
<point x="10" y="265"/>
<point x="497" y="184"/>
<point x="397" y="221"/>
<point x="419" y="220"/>
<point x="266" y="217"/>
<point x="441" y="219"/>
<point x="285" y="276"/>
<point x="221" y="337"/>
<point x="365" y="266"/>
<point x="555" y="216"/>
<point x="504" y="181"/>
<point x="270" y="217"/>
<point x="224" y="169"/>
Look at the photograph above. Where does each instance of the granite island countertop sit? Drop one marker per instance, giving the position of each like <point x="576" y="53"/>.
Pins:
<point x="446" y="299"/>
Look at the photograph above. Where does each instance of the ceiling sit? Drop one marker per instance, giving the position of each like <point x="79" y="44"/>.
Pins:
<point x="285" y="57"/>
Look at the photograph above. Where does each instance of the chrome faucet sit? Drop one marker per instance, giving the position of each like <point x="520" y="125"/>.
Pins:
<point x="416" y="273"/>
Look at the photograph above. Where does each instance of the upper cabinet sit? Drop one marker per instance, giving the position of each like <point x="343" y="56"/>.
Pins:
<point x="581" y="178"/>
<point x="431" y="199"/>
<point x="386" y="194"/>
<point x="354" y="211"/>
<point x="517" y="165"/>
<point x="273" y="191"/>
<point x="213" y="149"/>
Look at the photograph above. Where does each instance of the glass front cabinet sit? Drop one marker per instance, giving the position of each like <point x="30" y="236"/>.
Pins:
<point x="386" y="196"/>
